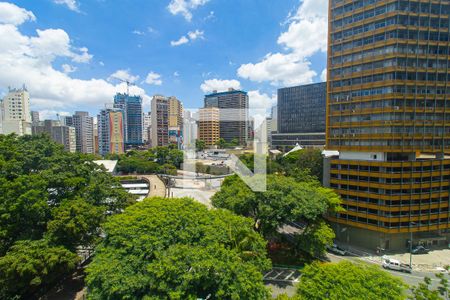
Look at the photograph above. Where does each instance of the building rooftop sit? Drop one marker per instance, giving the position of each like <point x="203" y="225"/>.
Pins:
<point x="110" y="165"/>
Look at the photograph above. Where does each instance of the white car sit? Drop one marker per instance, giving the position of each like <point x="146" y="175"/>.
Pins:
<point x="393" y="264"/>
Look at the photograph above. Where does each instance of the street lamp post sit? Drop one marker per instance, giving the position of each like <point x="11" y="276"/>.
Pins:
<point x="410" y="243"/>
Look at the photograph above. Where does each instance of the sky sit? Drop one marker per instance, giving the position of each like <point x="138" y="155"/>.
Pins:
<point x="74" y="54"/>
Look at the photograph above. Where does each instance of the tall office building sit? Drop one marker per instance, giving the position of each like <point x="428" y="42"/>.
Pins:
<point x="234" y="119"/>
<point x="301" y="116"/>
<point x="61" y="134"/>
<point x="190" y="129"/>
<point x="388" y="116"/>
<point x="111" y="134"/>
<point x="160" y="121"/>
<point x="16" y="116"/>
<point x="84" y="128"/>
<point x="146" y="130"/>
<point x="133" y="123"/>
<point x="175" y="121"/>
<point x="209" y="125"/>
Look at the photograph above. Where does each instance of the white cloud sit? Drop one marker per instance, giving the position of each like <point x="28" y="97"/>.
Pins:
<point x="123" y="75"/>
<point x="191" y="36"/>
<point x="305" y="36"/>
<point x="68" y="68"/>
<point x="101" y="63"/>
<point x="261" y="101"/>
<point x="29" y="59"/>
<point x="138" y="32"/>
<point x="152" y="30"/>
<point x="197" y="34"/>
<point x="71" y="4"/>
<point x="185" y="7"/>
<point x="323" y="75"/>
<point x="176" y="74"/>
<point x="182" y="40"/>
<point x="153" y="78"/>
<point x="219" y="85"/>
<point x="12" y="14"/>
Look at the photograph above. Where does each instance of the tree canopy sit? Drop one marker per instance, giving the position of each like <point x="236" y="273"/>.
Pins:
<point x="163" y="160"/>
<point x="50" y="200"/>
<point x="346" y="280"/>
<point x="178" y="249"/>
<point x="285" y="201"/>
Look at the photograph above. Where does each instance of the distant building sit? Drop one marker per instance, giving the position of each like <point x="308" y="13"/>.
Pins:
<point x="175" y="121"/>
<point x="35" y="117"/>
<point x="16" y="116"/>
<point x="160" y="121"/>
<point x="61" y="134"/>
<point x="301" y="116"/>
<point x="274" y="117"/>
<point x="84" y="128"/>
<point x="133" y="123"/>
<point x="233" y="106"/>
<point x="95" y="134"/>
<point x="111" y="137"/>
<point x="146" y="130"/>
<point x="209" y="125"/>
<point x="190" y="129"/>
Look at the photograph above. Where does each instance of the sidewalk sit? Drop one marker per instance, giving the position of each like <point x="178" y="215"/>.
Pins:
<point x="157" y="186"/>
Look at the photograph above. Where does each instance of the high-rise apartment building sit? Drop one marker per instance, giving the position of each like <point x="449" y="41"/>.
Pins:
<point x="35" y="117"/>
<point x="388" y="114"/>
<point x="175" y="121"/>
<point x="160" y="121"/>
<point x="111" y="137"/>
<point x="84" y="129"/>
<point x="133" y="123"/>
<point x="16" y="116"/>
<point x="61" y="134"/>
<point x="146" y="130"/>
<point x="190" y="129"/>
<point x="301" y="116"/>
<point x="209" y="125"/>
<point x="234" y="118"/>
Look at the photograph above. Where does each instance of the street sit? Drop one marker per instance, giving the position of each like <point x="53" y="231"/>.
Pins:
<point x="411" y="279"/>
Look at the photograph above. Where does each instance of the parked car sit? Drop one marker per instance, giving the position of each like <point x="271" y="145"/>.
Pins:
<point x="393" y="264"/>
<point x="337" y="250"/>
<point x="420" y="250"/>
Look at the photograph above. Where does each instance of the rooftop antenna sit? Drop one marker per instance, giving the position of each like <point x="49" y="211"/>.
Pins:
<point x="127" y="82"/>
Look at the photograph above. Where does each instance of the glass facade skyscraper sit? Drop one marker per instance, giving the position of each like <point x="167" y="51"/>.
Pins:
<point x="388" y="114"/>
<point x="133" y="122"/>
<point x="301" y="116"/>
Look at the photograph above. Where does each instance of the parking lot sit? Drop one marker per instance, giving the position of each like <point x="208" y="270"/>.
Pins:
<point x="282" y="275"/>
<point x="282" y="281"/>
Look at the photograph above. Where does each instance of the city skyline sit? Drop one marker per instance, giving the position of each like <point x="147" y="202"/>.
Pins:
<point x="78" y="67"/>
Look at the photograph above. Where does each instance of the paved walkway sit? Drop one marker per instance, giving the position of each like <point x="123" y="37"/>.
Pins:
<point x="157" y="187"/>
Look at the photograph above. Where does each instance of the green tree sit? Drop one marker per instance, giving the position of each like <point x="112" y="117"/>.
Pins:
<point x="31" y="265"/>
<point x="199" y="145"/>
<point x="75" y="223"/>
<point x="178" y="249"/>
<point x="221" y="143"/>
<point x="285" y="201"/>
<point x="305" y="159"/>
<point x="346" y="280"/>
<point x="53" y="195"/>
<point x="423" y="290"/>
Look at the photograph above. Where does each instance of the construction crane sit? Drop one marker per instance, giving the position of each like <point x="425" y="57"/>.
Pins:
<point x="128" y="83"/>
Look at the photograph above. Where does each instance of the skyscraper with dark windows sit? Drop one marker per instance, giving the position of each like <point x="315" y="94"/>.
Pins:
<point x="234" y="119"/>
<point x="300" y="116"/>
<point x="388" y="115"/>
<point x="133" y="122"/>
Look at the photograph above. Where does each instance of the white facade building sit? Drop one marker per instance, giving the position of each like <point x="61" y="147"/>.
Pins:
<point x="16" y="116"/>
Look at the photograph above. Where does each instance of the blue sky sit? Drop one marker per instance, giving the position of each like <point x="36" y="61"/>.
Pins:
<point x="69" y="52"/>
